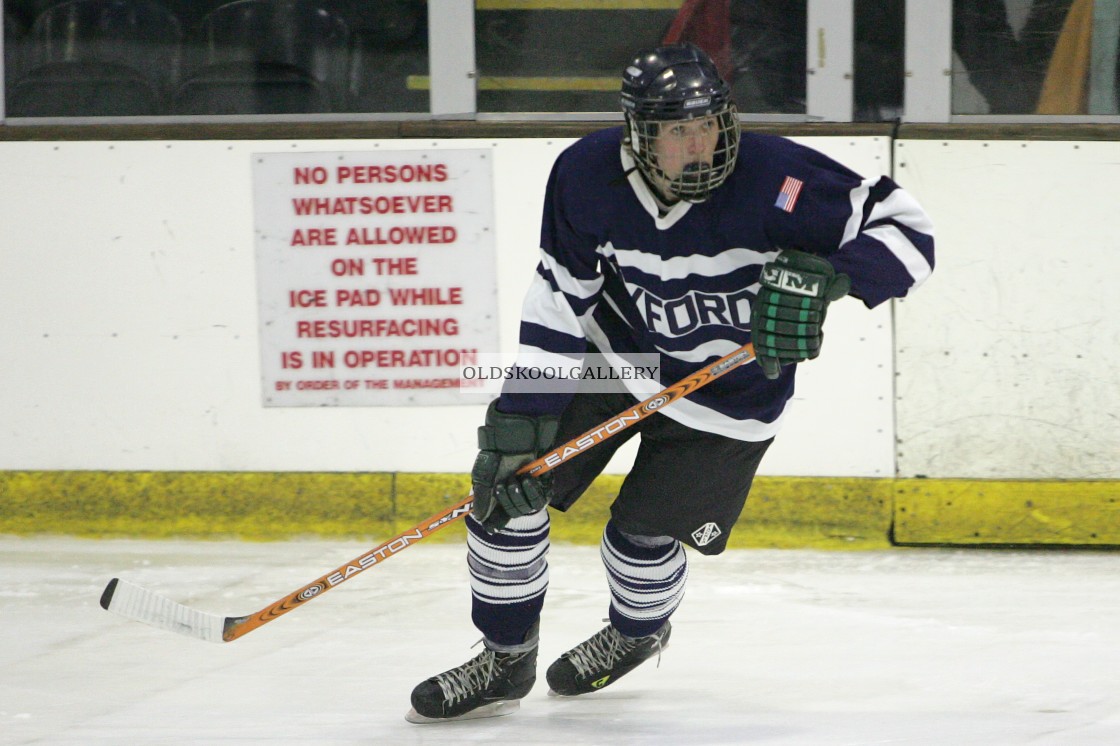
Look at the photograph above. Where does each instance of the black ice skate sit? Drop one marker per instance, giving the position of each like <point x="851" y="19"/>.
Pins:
<point x="603" y="659"/>
<point x="490" y="684"/>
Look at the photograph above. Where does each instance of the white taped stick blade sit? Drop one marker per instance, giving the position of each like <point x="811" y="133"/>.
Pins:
<point x="139" y="604"/>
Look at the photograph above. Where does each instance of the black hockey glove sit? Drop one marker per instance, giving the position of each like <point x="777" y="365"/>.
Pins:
<point x="786" y="317"/>
<point x="508" y="442"/>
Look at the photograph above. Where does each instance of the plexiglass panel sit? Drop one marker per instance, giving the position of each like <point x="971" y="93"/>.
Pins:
<point x="121" y="58"/>
<point x="769" y="39"/>
<point x="568" y="56"/>
<point x="90" y="58"/>
<point x="1035" y="56"/>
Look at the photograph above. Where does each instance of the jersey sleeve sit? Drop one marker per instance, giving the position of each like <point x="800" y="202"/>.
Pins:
<point x="872" y="229"/>
<point x="564" y="291"/>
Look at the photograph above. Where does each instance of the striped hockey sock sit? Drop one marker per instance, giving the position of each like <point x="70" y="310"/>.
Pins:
<point x="646" y="576"/>
<point x="509" y="577"/>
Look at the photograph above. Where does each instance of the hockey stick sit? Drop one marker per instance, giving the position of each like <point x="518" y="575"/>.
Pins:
<point x="140" y="604"/>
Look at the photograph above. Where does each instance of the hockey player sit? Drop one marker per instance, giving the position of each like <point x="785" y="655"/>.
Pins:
<point x="675" y="235"/>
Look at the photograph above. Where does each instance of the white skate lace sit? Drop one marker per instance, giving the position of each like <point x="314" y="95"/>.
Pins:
<point x="469" y="678"/>
<point x="601" y="652"/>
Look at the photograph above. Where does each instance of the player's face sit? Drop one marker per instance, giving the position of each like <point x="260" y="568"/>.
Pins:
<point x="686" y="145"/>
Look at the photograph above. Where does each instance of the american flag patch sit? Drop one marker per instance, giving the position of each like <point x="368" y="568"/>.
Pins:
<point x="787" y="196"/>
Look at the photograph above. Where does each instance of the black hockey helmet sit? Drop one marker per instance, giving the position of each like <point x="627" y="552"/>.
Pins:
<point x="673" y="83"/>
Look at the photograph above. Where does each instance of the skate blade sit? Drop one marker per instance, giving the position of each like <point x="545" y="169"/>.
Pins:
<point x="554" y="693"/>
<point x="493" y="710"/>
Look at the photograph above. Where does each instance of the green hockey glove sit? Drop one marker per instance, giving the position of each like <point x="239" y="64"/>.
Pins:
<point x="508" y="442"/>
<point x="786" y="318"/>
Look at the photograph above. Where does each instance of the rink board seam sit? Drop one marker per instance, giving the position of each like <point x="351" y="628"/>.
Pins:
<point x="817" y="512"/>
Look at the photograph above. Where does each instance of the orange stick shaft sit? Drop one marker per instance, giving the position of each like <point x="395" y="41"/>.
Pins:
<point x="237" y="626"/>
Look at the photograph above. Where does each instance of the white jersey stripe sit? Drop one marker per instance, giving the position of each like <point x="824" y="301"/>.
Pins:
<point x="678" y="268"/>
<point x="569" y="284"/>
<point x="897" y="243"/>
<point x="701" y="418"/>
<point x="702" y="352"/>
<point x="857" y="197"/>
<point x="549" y="309"/>
<point x="901" y="207"/>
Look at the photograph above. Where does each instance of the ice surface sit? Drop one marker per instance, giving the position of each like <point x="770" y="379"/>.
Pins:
<point x="907" y="647"/>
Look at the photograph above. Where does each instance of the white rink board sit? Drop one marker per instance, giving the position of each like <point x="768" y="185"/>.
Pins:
<point x="1007" y="361"/>
<point x="129" y="300"/>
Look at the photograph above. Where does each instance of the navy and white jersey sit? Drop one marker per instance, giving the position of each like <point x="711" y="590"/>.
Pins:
<point x="616" y="273"/>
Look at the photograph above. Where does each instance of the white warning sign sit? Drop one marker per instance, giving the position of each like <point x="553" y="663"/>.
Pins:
<point x="376" y="277"/>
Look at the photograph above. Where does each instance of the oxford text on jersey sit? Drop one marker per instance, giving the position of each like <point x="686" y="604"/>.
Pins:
<point x="676" y="317"/>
